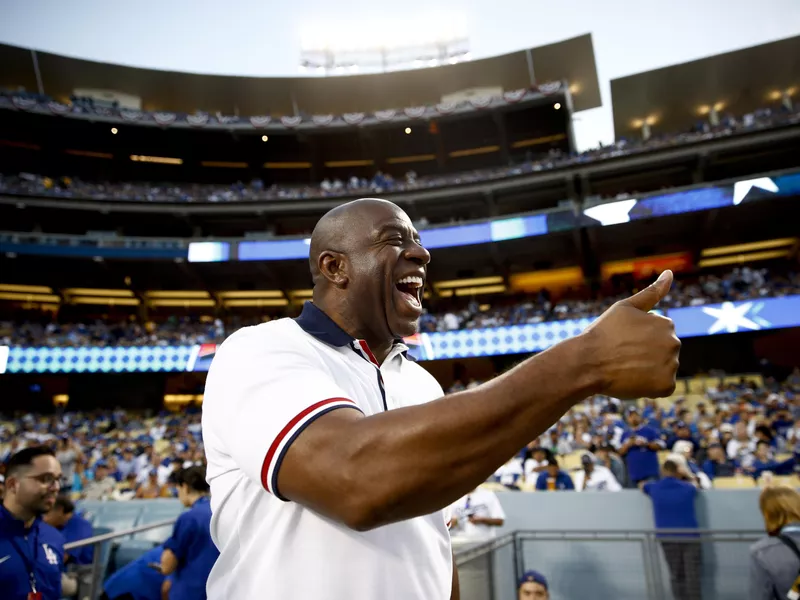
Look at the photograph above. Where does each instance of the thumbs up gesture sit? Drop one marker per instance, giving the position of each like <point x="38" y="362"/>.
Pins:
<point x="635" y="352"/>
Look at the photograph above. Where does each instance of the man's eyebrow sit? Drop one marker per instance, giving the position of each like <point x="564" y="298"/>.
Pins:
<point x="397" y="228"/>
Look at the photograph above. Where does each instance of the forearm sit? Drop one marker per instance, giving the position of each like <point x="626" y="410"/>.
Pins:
<point x="413" y="461"/>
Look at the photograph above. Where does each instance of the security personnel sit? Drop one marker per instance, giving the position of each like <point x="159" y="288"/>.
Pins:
<point x="190" y="553"/>
<point x="31" y="551"/>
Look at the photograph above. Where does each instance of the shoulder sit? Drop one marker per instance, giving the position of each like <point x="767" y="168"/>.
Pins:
<point x="763" y="545"/>
<point x="270" y="335"/>
<point x="51" y="536"/>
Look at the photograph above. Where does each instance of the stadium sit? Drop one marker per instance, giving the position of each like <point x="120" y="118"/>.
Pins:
<point x="149" y="212"/>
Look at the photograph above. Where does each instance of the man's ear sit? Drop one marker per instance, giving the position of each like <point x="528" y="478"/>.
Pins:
<point x="334" y="267"/>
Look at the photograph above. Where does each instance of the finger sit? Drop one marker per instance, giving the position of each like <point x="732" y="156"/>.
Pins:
<point x="650" y="296"/>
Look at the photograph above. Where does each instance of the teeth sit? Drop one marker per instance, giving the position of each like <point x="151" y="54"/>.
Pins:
<point x="412" y="280"/>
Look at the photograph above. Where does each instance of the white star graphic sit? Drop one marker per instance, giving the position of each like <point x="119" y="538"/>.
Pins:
<point x="742" y="188"/>
<point x="730" y="317"/>
<point x="611" y="213"/>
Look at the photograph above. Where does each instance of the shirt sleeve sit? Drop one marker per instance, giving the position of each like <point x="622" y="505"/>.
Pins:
<point x="182" y="538"/>
<point x="612" y="483"/>
<point x="541" y="481"/>
<point x="262" y="392"/>
<point x="648" y="487"/>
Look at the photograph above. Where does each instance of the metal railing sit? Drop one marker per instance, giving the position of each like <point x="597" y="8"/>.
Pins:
<point x="485" y="577"/>
<point x="90" y="580"/>
<point x="489" y="577"/>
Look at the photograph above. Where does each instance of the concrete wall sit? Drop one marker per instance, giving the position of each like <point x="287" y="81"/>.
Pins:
<point x="615" y="569"/>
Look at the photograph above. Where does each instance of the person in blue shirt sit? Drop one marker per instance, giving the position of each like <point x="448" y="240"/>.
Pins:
<point x="190" y="552"/>
<point x="639" y="447"/>
<point x="140" y="579"/>
<point x="554" y="478"/>
<point x="74" y="528"/>
<point x="762" y="462"/>
<point x="673" y="508"/>
<point x="718" y="464"/>
<point x="31" y="551"/>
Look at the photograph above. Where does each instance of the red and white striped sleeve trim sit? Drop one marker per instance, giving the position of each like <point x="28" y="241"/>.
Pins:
<point x="281" y="443"/>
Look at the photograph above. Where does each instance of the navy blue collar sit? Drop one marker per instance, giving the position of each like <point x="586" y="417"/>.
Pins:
<point x="314" y="321"/>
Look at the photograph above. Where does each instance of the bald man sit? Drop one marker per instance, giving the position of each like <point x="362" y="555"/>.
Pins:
<point x="332" y="456"/>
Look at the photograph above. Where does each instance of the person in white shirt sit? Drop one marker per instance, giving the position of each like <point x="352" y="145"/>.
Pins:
<point x="330" y="452"/>
<point x="476" y="517"/>
<point x="510" y="473"/>
<point x="594" y="477"/>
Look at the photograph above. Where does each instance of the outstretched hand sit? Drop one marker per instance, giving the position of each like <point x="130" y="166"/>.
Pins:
<point x="635" y="352"/>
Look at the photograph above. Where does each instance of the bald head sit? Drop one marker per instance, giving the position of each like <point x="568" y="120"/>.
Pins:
<point x="343" y="228"/>
<point x="369" y="270"/>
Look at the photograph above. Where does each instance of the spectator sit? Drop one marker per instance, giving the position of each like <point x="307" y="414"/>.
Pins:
<point x="740" y="446"/>
<point x="476" y="517"/>
<point x="609" y="459"/>
<point x="103" y="484"/>
<point x="682" y="433"/>
<point x="151" y="488"/>
<point x="718" y="464"/>
<point x="683" y="449"/>
<point x="673" y="500"/>
<point x="73" y="527"/>
<point x="140" y="579"/>
<point x="640" y="446"/>
<point x="595" y="477"/>
<point x="32" y="550"/>
<point x="762" y="462"/>
<point x="68" y="455"/>
<point x="190" y="553"/>
<point x="536" y="463"/>
<point x="775" y="560"/>
<point x="553" y="478"/>
<point x="533" y="586"/>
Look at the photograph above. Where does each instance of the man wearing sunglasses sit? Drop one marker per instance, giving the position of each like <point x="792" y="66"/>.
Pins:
<point x="31" y="551"/>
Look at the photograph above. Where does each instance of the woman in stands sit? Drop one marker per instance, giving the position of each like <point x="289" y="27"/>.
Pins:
<point x="775" y="560"/>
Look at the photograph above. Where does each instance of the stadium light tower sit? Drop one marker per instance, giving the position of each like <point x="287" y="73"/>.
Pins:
<point x="361" y="47"/>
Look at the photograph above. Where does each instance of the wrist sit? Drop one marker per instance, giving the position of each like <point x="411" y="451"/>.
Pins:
<point x="587" y="364"/>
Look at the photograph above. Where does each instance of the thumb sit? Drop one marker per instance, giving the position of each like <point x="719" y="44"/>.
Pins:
<point x="650" y="296"/>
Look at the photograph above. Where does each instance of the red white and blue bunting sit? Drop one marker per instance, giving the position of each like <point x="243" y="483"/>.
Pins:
<point x="24" y="103"/>
<point x="227" y="119"/>
<point x="513" y="96"/>
<point x="445" y="108"/>
<point x="322" y="120"/>
<point x="291" y="121"/>
<point x="260" y="121"/>
<point x="353" y="118"/>
<point x="480" y="101"/>
<point x="197" y="120"/>
<point x="551" y="87"/>
<point x="414" y="112"/>
<point x="164" y="118"/>
<point x="130" y="115"/>
<point x="385" y="115"/>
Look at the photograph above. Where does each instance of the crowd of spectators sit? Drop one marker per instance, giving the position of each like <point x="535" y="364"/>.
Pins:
<point x="749" y="427"/>
<point x="112" y="455"/>
<point x="257" y="190"/>
<point x="741" y="283"/>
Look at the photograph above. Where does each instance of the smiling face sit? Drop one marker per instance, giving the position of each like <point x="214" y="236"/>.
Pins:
<point x="376" y="262"/>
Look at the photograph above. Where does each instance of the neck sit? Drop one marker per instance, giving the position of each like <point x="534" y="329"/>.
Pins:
<point x="194" y="497"/>
<point x="19" y="512"/>
<point x="338" y="313"/>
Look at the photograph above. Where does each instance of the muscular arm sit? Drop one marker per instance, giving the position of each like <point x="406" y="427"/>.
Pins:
<point x="371" y="471"/>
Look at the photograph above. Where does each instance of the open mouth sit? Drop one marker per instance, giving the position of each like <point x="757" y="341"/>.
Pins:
<point x="410" y="289"/>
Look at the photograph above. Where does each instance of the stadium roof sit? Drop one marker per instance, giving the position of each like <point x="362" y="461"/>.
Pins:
<point x="677" y="97"/>
<point x="571" y="60"/>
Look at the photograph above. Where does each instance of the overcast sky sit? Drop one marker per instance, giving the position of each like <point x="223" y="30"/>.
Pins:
<point x="262" y="38"/>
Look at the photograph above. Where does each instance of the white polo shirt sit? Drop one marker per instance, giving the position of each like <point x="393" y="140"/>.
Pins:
<point x="265" y="385"/>
<point x="601" y="480"/>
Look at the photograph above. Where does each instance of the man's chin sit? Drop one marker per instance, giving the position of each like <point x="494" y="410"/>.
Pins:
<point x="403" y="328"/>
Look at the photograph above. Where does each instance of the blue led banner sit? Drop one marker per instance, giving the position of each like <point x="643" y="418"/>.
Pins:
<point x="692" y="321"/>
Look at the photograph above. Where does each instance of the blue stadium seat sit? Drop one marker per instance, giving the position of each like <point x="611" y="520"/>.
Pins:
<point x="118" y="515"/>
<point x="128" y="551"/>
<point x="153" y="512"/>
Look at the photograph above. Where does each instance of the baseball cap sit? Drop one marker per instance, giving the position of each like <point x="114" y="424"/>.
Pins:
<point x="533" y="576"/>
<point x="587" y="459"/>
<point x="726" y="427"/>
<point x="632" y="409"/>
